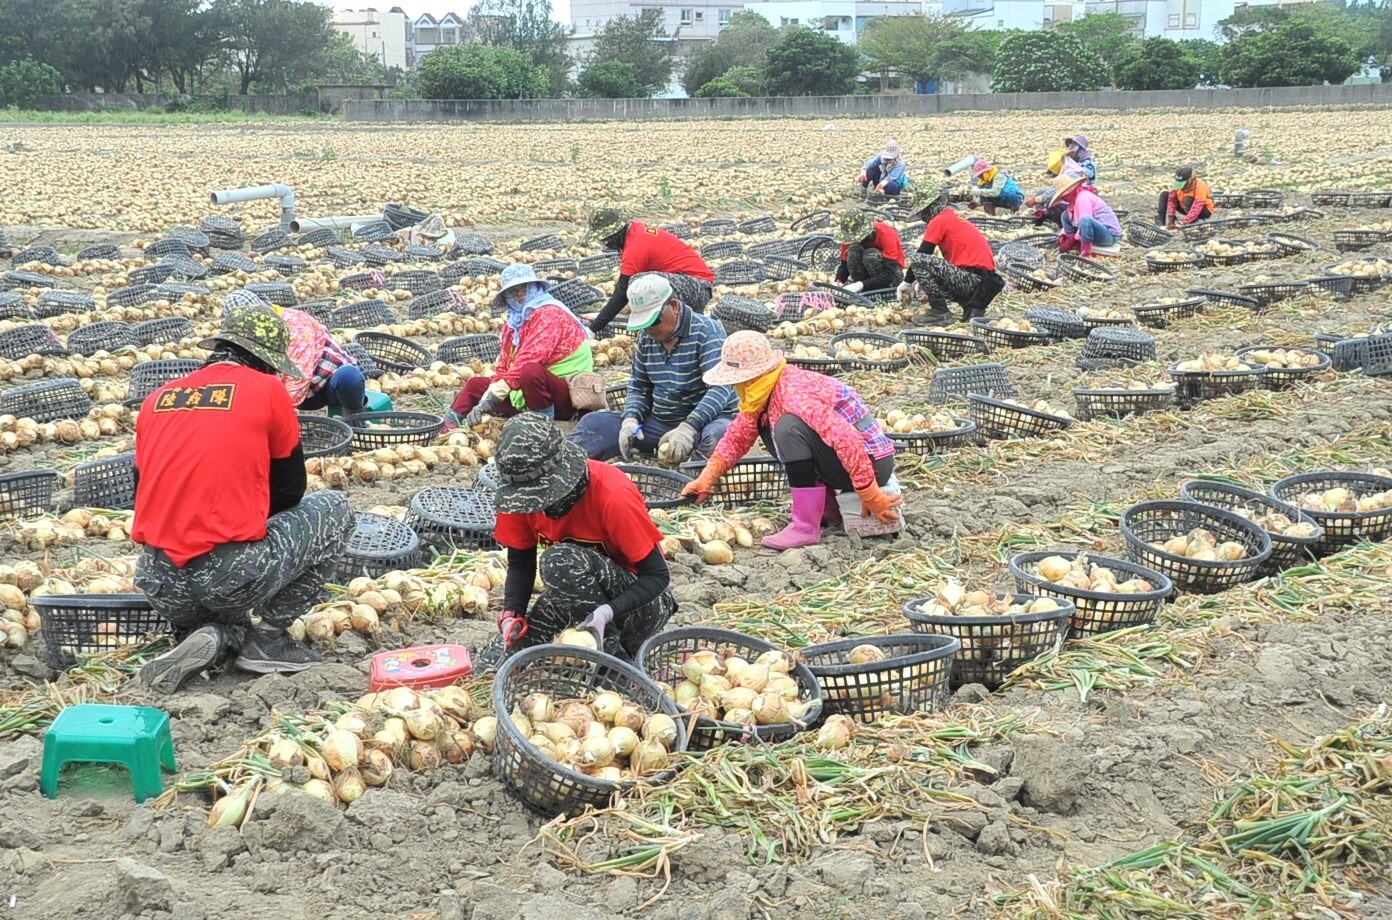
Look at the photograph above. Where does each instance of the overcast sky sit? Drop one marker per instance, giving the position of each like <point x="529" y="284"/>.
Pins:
<point x="560" y="9"/>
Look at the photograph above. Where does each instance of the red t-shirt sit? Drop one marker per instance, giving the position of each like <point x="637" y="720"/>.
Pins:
<point x="610" y="516"/>
<point x="650" y="249"/>
<point x="204" y="450"/>
<point x="886" y="241"/>
<point x="961" y="242"/>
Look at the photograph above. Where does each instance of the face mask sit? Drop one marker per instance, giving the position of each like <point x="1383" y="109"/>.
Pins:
<point x="517" y="296"/>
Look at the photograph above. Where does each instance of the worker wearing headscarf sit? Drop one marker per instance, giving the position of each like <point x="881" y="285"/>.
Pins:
<point x="1076" y="148"/>
<point x="1090" y="226"/>
<point x="886" y="173"/>
<point x="1046" y="209"/>
<point x="993" y="190"/>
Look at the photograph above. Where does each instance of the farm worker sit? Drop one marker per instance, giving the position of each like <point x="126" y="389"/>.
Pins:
<point x="649" y="249"/>
<point x="872" y="255"/>
<point x="1042" y="201"/>
<point x="886" y="172"/>
<point x="600" y="554"/>
<point x="993" y="189"/>
<point x="543" y="344"/>
<point x="1089" y="224"/>
<point x="328" y="375"/>
<point x="1188" y="202"/>
<point x="1076" y="147"/>
<point x="965" y="273"/>
<point x="670" y="410"/>
<point x="221" y="512"/>
<point x="822" y="432"/>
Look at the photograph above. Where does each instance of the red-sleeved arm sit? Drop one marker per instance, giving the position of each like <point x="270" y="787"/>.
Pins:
<point x="513" y="531"/>
<point x="738" y="438"/>
<point x="541" y="337"/>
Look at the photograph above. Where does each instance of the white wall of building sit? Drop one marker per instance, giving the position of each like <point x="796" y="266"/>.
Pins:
<point x="382" y="35"/>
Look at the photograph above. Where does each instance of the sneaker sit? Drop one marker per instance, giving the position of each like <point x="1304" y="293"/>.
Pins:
<point x="198" y="651"/>
<point x="274" y="652"/>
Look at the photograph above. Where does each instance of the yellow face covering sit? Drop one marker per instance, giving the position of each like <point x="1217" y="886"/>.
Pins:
<point x="754" y="394"/>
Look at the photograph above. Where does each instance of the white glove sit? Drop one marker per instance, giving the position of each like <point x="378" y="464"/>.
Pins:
<point x="681" y="441"/>
<point x="855" y="287"/>
<point x="628" y="430"/>
<point x="499" y="389"/>
<point x="902" y="291"/>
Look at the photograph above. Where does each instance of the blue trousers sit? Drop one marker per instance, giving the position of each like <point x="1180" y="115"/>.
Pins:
<point x="347" y="389"/>
<point x="873" y="176"/>
<point x="1093" y="231"/>
<point x="597" y="434"/>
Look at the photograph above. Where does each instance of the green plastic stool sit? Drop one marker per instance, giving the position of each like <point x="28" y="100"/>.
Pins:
<point x="134" y="736"/>
<point x="376" y="402"/>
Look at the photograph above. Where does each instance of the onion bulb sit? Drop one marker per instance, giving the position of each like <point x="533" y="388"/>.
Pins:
<point x="866" y="654"/>
<point x="486" y="730"/>
<point x="342" y="749"/>
<point x="376" y="767"/>
<point x="349" y="785"/>
<point x="401" y="698"/>
<point x="537" y="707"/>
<point x="230" y="810"/>
<point x="685" y="692"/>
<point x="623" y="739"/>
<point x="755" y="677"/>
<point x="737" y="698"/>
<point x="423" y="724"/>
<point x="739" y="716"/>
<point x="700" y="663"/>
<point x="597" y="751"/>
<point x="606" y="705"/>
<point x="661" y="728"/>
<point x="835" y="733"/>
<point x="717" y="552"/>
<point x="578" y="638"/>
<point x="285" y="753"/>
<point x="784" y="686"/>
<point x="576" y="715"/>
<point x="423" y="757"/>
<point x="771" y="709"/>
<point x="648" y="757"/>
<point x="321" y="790"/>
<point x="777" y="662"/>
<point x="1054" y="568"/>
<point x="455" y="701"/>
<point x="630" y="716"/>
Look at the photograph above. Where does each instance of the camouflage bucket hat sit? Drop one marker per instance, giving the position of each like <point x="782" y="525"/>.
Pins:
<point x="258" y="330"/>
<point x="854" y="227"/>
<point x="930" y="200"/>
<point x="537" y="466"/>
<point x="604" y="223"/>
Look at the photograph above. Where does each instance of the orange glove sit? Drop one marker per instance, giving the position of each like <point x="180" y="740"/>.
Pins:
<point x="700" y="488"/>
<point x="875" y="501"/>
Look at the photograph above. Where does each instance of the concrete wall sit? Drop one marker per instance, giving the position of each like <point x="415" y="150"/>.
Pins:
<point x="95" y="102"/>
<point x="421" y="110"/>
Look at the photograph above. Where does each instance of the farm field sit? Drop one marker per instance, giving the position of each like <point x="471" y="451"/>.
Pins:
<point x="1229" y="759"/>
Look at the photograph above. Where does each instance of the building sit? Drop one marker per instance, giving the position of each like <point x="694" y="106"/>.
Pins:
<point x="381" y="35"/>
<point x="683" y="19"/>
<point x="844" y="19"/>
<point x="428" y="33"/>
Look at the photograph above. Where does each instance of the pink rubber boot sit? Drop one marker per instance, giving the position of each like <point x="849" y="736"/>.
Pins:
<point x="805" y="528"/>
<point x="831" y="514"/>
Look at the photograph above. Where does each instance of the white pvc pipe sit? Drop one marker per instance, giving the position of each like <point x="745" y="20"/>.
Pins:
<point x="955" y="168"/>
<point x="305" y="224"/>
<point x="259" y="192"/>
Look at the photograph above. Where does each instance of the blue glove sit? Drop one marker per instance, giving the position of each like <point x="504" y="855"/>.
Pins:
<point x="595" y="622"/>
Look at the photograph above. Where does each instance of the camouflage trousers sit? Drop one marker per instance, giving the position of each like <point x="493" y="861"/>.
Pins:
<point x="939" y="281"/>
<point x="691" y="291"/>
<point x="276" y="578"/>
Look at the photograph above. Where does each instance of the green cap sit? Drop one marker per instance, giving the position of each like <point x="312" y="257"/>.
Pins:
<point x="854" y="226"/>
<point x="258" y="330"/>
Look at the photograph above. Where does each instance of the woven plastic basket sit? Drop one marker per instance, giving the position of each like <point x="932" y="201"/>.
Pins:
<point x="19" y="281"/>
<point x="830" y="367"/>
<point x="1357" y="240"/>
<point x="14" y="306"/>
<point x="915" y="675"/>
<point x="377" y="256"/>
<point x="576" y="294"/>
<point x="58" y="303"/>
<point x="1059" y="323"/>
<point x="1267" y="293"/>
<point x="924" y="443"/>
<point x="850" y="341"/>
<point x="842" y="296"/>
<point x="132" y="296"/>
<point x="44" y="255"/>
<point x="662" y="655"/>
<point x="378" y="545"/>
<point x="1193" y="387"/>
<point x="365" y="362"/>
<point x="739" y="272"/>
<point x="164" y="331"/>
<point x="1291" y="245"/>
<point x="1340" y="287"/>
<point x="1370" y="355"/>
<point x="104" y="252"/>
<point x="448" y="517"/>
<point x="1276" y="378"/>
<point x="393" y="352"/>
<point x="821" y="253"/>
<point x="997" y="419"/>
<point x="660" y="488"/>
<point x="27" y="494"/>
<point x="1160" y="315"/>
<point x="471" y="244"/>
<point x="996" y="337"/>
<point x="401" y="216"/>
<point x="1118" y="346"/>
<point x="770" y="249"/>
<point x="722" y="249"/>
<point x="35" y="339"/>
<point x="1087" y="271"/>
<point x="434" y="303"/>
<point x="542" y="784"/>
<point x="1096" y="612"/>
<point x="718" y="227"/>
<point x="88" y="624"/>
<point x="960" y="382"/>
<point x="417" y="281"/>
<point x="270" y="241"/>
<point x="286" y="266"/>
<point x="149" y="376"/>
<point x="420" y="252"/>
<point x="319" y="239"/>
<point x="1158" y="521"/>
<point x="339" y="257"/>
<point x="741" y="313"/>
<point x="224" y="263"/>
<point x="108" y="482"/>
<point x="1020" y="277"/>
<point x="1102" y="402"/>
<point x="364" y="314"/>
<point x="1341" y="528"/>
<point x="1140" y="233"/>
<point x="994" y="646"/>
<point x="47" y="400"/>
<point x="1286" y="551"/>
<point x="466" y="348"/>
<point x="321" y="436"/>
<point x="372" y="430"/>
<point x="1159" y="266"/>
<point x="373" y="231"/>
<point x="751" y="480"/>
<point x="603" y="263"/>
<point x="945" y="346"/>
<point x="280" y="293"/>
<point x="541" y="243"/>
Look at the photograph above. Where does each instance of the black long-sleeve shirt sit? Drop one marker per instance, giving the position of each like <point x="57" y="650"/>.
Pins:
<point x="653" y="577"/>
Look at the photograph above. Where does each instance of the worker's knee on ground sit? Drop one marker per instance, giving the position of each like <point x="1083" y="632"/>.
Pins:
<point x="565" y="564"/>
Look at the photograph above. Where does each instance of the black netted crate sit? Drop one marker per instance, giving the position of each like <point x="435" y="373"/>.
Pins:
<point x="181" y="269"/>
<point x="321" y="436"/>
<point x="945" y="346"/>
<point x="769" y="248"/>
<point x="448" y="517"/>
<point x="758" y="225"/>
<point x="372" y="430"/>
<point x="1291" y="245"/>
<point x="167" y="247"/>
<point x="178" y="290"/>
<point x="373" y="231"/>
<point x="813" y="220"/>
<point x="1116" y="402"/>
<point x="1369" y="354"/>
<point x="960" y="382"/>
<point x="842" y="296"/>
<point x="483" y="266"/>
<point x="1358" y="239"/>
<point x="393" y="352"/>
<point x="319" y="239"/>
<point x="1020" y="254"/>
<point x="378" y="545"/>
<point x="1076" y="268"/>
<point x="924" y="443"/>
<point x="1263" y="198"/>
<point x="1140" y="233"/>
<point x="718" y="227"/>
<point x="662" y="656"/>
<point x="466" y="348"/>
<point x="1340" y="287"/>
<point x="416" y="280"/>
<point x="751" y="480"/>
<point x="1149" y="523"/>
<point x="280" y="293"/>
<point x="89" y="624"/>
<point x="401" y="216"/>
<point x="285" y="266"/>
<point x="1276" y="378"/>
<point x="850" y="348"/>
<point x="1001" y="337"/>
<point x="340" y="257"/>
<point x="1096" y="612"/>
<point x="547" y="241"/>
<point x="741" y="313"/>
<point x="1160" y="315"/>
<point x="602" y="263"/>
<point x="18" y="281"/>
<point x="783" y="268"/>
<point x="33" y="339"/>
<point x="739" y="272"/>
<point x="58" y="303"/>
<point x="1341" y="528"/>
<point x="47" y="400"/>
<point x="1226" y="298"/>
<point x="44" y="255"/>
<point x="829" y="367"/>
<point x="14" y="306"/>
<point x="152" y="274"/>
<point x="105" y="252"/>
<point x="660" y="488"/>
<point x="27" y="494"/>
<point x="149" y="376"/>
<point x="993" y="646"/>
<point x="1286" y="550"/>
<point x="133" y="296"/>
<point x="106" y="336"/>
<point x="1021" y="276"/>
<point x="576" y="294"/>
<point x="1204" y="229"/>
<point x="365" y="362"/>
<point x="1270" y="292"/>
<point x="471" y="244"/>
<point x="195" y="239"/>
<point x="996" y="418"/>
<point x="1173" y="260"/>
<point x="1119" y="344"/>
<point x="270" y="241"/>
<point x="225" y="263"/>
<point x="1369" y="199"/>
<point x="1362" y="283"/>
<point x="723" y="249"/>
<point x="1059" y="323"/>
<point x="167" y="330"/>
<point x="377" y="256"/>
<point x="820" y="252"/>
<point x="420" y="252"/>
<point x="108" y="482"/>
<point x="914" y="675"/>
<point x="556" y="268"/>
<point x="434" y="303"/>
<point x="363" y="281"/>
<point x="362" y="315"/>
<point x="1193" y="387"/>
<point x="321" y="310"/>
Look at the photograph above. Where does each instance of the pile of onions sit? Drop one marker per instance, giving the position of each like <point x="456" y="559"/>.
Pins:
<point x="714" y="535"/>
<point x="607" y="737"/>
<point x="369" y="603"/>
<point x="386" y="464"/>
<point x="719" y="684"/>
<point x="954" y="600"/>
<point x="1082" y="575"/>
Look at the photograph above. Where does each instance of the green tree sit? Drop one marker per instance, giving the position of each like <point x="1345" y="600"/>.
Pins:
<point x="968" y="53"/>
<point x="342" y="62"/>
<point x="1249" y="20"/>
<point x="1204" y="54"/>
<point x="23" y="82"/>
<point x="1374" y="21"/>
<point x="1308" y="47"/>
<point x="1046" y="62"/>
<point x="747" y="79"/>
<point x="743" y="43"/>
<point x="914" y="45"/>
<point x="1158" y="63"/>
<point x="807" y="63"/>
<point x="720" y="88"/>
<point x="181" y="40"/>
<point x="272" y="43"/>
<point x="610" y="80"/>
<point x="524" y="26"/>
<point x="1110" y="36"/>
<point x="479" y="72"/>
<point x="636" y="40"/>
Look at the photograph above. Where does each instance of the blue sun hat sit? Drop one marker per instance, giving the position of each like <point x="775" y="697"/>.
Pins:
<point x="513" y="276"/>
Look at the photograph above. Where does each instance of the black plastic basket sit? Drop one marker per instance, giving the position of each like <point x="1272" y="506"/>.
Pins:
<point x="1059" y="323"/>
<point x="401" y="216"/>
<point x="740" y="272"/>
<point x="280" y="293"/>
<point x="1204" y="229"/>
<point x="602" y="263"/>
<point x="1362" y="284"/>
<point x="1140" y="233"/>
<point x="373" y="231"/>
<point x="755" y="225"/>
<point x="945" y="346"/>
<point x="1341" y="528"/>
<point x="393" y="352"/>
<point x="365" y="362"/>
<point x="149" y="376"/>
<point x="224" y="263"/>
<point x="960" y="382"/>
<point x="812" y="220"/>
<point x="372" y="430"/>
<point x="27" y="494"/>
<point x="577" y="294"/>
<point x="362" y="315"/>
<point x="377" y="256"/>
<point x="47" y="400"/>
<point x="270" y="241"/>
<point x="14" y="306"/>
<point x="1286" y="551"/>
<point x="541" y="243"/>
<point x="751" y="480"/>
<point x="1267" y="293"/>
<point x="822" y="253"/>
<point x="178" y="290"/>
<point x="34" y="339"/>
<point x="483" y="347"/>
<point x="417" y="281"/>
<point x="420" y="252"/>
<point x="662" y="655"/>
<point x="1086" y="271"/>
<point x="321" y="436"/>
<point x="741" y="313"/>
<point x="18" y="281"/>
<point x="722" y="249"/>
<point x="105" y="252"/>
<point x="1329" y="199"/>
<point x="172" y="269"/>
<point x="58" y="303"/>
<point x="44" y="255"/>
<point x="1263" y="198"/>
<point x="827" y="366"/>
<point x="859" y="363"/>
<point x="770" y="249"/>
<point x="718" y="227"/>
<point x="321" y="310"/>
<point x="1291" y="245"/>
<point x="1160" y="520"/>
<point x="343" y="258"/>
<point x="167" y="330"/>
<point x="1277" y="378"/>
<point x="449" y="517"/>
<point x="1193" y="387"/>
<point x="1369" y="199"/>
<point x="925" y="443"/>
<point x="842" y="296"/>
<point x="470" y="244"/>
<point x="660" y="488"/>
<point x="997" y="337"/>
<point x="1357" y="240"/>
<point x="363" y="281"/>
<point x="1160" y="266"/>
<point x="1160" y="315"/>
<point x="994" y="646"/>
<point x="132" y="296"/>
<point x="1109" y="322"/>
<point x="1105" y="402"/>
<point x="286" y="266"/>
<point x="1226" y="298"/>
<point x="88" y="624"/>
<point x="319" y="239"/>
<point x="434" y="303"/>
<point x="540" y="783"/>
<point x="997" y="419"/>
<point x="1340" y="287"/>
<point x="378" y="545"/>
<point x="1371" y="355"/>
<point x="1096" y="612"/>
<point x="1023" y="254"/>
<point x="108" y="482"/>
<point x="1118" y="346"/>
<point x="914" y="677"/>
<point x="1018" y="273"/>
